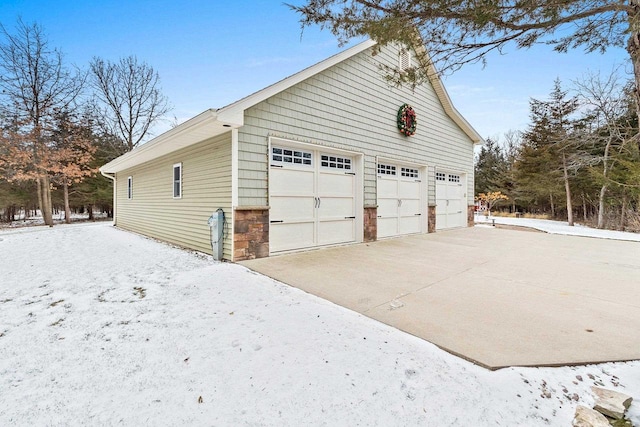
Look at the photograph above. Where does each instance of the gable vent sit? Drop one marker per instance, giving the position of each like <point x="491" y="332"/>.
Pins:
<point x="404" y="60"/>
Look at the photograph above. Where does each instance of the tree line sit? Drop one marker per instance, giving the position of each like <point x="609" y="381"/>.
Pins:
<point x="59" y="123"/>
<point x="579" y="158"/>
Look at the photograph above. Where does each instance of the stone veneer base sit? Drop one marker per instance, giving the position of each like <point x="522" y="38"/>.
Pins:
<point x="250" y="233"/>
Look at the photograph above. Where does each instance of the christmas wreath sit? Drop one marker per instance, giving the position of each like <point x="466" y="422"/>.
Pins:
<point x="407" y="121"/>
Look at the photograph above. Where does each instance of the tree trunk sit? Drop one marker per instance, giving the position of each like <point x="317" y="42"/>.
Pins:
<point x="67" y="209"/>
<point x="603" y="191"/>
<point x="90" y="209"/>
<point x="584" y="208"/>
<point x="633" y="47"/>
<point x="47" y="208"/>
<point x="40" y="198"/>
<point x="623" y="212"/>
<point x="567" y="190"/>
<point x="553" y="207"/>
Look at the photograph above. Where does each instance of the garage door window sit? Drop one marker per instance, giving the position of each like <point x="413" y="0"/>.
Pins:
<point x="286" y="155"/>
<point x="386" y="169"/>
<point x="409" y="172"/>
<point x="335" y="162"/>
<point x="454" y="178"/>
<point x="441" y="176"/>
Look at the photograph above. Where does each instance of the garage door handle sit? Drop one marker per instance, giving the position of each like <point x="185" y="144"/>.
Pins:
<point x="276" y="166"/>
<point x="350" y="173"/>
<point x="349" y="217"/>
<point x="417" y="214"/>
<point x="276" y="221"/>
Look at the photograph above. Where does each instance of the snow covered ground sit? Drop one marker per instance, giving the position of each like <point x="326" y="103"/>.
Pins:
<point x="104" y="327"/>
<point x="22" y="220"/>
<point x="558" y="227"/>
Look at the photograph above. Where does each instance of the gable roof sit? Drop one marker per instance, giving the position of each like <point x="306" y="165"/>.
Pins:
<point x="211" y="123"/>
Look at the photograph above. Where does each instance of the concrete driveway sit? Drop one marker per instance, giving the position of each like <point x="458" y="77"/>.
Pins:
<point x="493" y="296"/>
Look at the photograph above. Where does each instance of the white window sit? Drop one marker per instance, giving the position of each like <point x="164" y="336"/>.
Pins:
<point x="130" y="187"/>
<point x="177" y="180"/>
<point x="440" y="176"/>
<point x="287" y="155"/>
<point x="404" y="60"/>
<point x="454" y="178"/>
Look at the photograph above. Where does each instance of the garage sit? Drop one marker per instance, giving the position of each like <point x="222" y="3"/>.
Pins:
<point x="400" y="199"/>
<point x="450" y="200"/>
<point x="312" y="196"/>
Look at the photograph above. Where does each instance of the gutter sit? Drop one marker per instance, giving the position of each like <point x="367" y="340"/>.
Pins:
<point x="112" y="177"/>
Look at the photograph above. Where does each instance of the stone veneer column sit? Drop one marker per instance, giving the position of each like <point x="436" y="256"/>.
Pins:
<point x="250" y="233"/>
<point x="470" y="215"/>
<point x="370" y="224"/>
<point x="431" y="219"/>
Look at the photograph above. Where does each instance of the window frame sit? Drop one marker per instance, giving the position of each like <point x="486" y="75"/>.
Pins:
<point x="178" y="181"/>
<point x="129" y="187"/>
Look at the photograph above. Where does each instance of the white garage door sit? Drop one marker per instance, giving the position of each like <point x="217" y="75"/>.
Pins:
<point x="312" y="195"/>
<point x="450" y="200"/>
<point x="399" y="200"/>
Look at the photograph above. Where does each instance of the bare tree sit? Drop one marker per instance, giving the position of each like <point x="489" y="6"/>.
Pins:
<point x="607" y="105"/>
<point x="128" y="98"/>
<point x="34" y="84"/>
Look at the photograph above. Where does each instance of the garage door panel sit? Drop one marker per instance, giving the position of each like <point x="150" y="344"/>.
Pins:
<point x="409" y="207"/>
<point x="283" y="237"/>
<point x="331" y="184"/>
<point x="387" y="207"/>
<point x="409" y="190"/>
<point x="410" y="224"/>
<point x="387" y="188"/>
<point x="455" y="206"/>
<point x="292" y="208"/>
<point x="387" y="227"/>
<point x="335" y="207"/>
<point x="338" y="231"/>
<point x="291" y="182"/>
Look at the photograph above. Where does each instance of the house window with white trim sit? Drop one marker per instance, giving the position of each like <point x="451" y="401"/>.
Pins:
<point x="130" y="187"/>
<point x="177" y="181"/>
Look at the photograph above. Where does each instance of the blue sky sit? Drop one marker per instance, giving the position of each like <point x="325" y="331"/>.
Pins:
<point x="211" y="53"/>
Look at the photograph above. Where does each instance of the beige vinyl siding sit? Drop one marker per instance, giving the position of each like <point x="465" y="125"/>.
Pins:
<point x="350" y="106"/>
<point x="206" y="186"/>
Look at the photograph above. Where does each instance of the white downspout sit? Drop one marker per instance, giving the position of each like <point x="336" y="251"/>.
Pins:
<point x="112" y="177"/>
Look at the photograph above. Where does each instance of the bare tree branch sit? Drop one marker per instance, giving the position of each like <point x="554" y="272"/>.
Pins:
<point x="128" y="98"/>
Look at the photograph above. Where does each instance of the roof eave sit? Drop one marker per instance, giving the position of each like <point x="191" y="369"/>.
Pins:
<point x="197" y="129"/>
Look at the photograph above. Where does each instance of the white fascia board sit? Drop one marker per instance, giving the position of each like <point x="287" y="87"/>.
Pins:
<point x="235" y="112"/>
<point x="203" y="126"/>
<point x="445" y="100"/>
